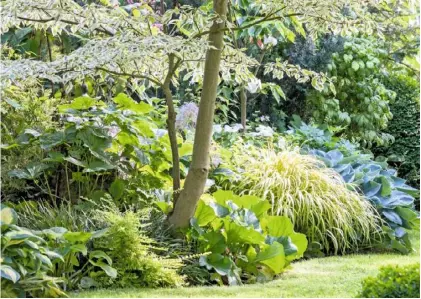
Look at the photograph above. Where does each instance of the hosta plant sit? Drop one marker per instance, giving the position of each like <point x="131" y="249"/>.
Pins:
<point x="383" y="188"/>
<point x="313" y="196"/>
<point x="26" y="261"/>
<point x="240" y="241"/>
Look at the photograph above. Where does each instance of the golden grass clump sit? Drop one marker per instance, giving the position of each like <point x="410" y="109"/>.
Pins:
<point x="313" y="196"/>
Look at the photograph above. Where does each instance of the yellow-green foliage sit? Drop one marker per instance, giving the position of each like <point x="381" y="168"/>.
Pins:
<point x="132" y="253"/>
<point x="314" y="197"/>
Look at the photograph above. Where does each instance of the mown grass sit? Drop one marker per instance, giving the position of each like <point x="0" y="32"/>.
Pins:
<point x="337" y="276"/>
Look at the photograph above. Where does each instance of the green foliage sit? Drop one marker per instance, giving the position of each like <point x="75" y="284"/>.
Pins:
<point x="240" y="241"/>
<point x="26" y="261"/>
<point x="133" y="254"/>
<point x="361" y="102"/>
<point x="388" y="193"/>
<point x="314" y="197"/>
<point x="78" y="267"/>
<point x="404" y="127"/>
<point x="393" y="282"/>
<point x="97" y="142"/>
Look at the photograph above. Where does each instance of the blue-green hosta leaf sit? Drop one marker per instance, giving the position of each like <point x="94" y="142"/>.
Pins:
<point x="409" y="190"/>
<point x="349" y="177"/>
<point x="392" y="216"/>
<point x="272" y="256"/>
<point x="219" y="210"/>
<point x="371" y="188"/>
<point x="9" y="273"/>
<point x="246" y="218"/>
<point x="343" y="168"/>
<point x="8" y="215"/>
<point x="204" y="213"/>
<point x="21" y="235"/>
<point x="335" y="156"/>
<point x="400" y="232"/>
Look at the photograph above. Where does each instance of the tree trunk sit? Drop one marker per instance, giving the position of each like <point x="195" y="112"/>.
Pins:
<point x="199" y="168"/>
<point x="243" y="105"/>
<point x="172" y="133"/>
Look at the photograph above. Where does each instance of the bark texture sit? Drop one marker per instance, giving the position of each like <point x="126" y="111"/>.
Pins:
<point x="196" y="178"/>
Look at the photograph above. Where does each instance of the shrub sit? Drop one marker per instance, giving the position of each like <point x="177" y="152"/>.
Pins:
<point x="132" y="252"/>
<point x="404" y="127"/>
<point x="241" y="241"/>
<point x="314" y="197"/>
<point x="393" y="282"/>
<point x="361" y="102"/>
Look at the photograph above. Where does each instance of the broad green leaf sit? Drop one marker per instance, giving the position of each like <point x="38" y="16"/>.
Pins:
<point x="99" y="254"/>
<point x="145" y="127"/>
<point x="277" y="226"/>
<point x="9" y="273"/>
<point x="215" y="242"/>
<point x="272" y="256"/>
<point x="237" y="234"/>
<point x="220" y="263"/>
<point x="165" y="207"/>
<point x="74" y="237"/>
<point x="79" y="248"/>
<point x="96" y="166"/>
<point x="110" y="271"/>
<point x="126" y="103"/>
<point x="117" y="188"/>
<point x="44" y="259"/>
<point x="80" y="103"/>
<point x="204" y="213"/>
<point x="75" y="161"/>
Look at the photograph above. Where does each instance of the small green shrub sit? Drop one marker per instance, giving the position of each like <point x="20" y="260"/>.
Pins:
<point x="404" y="127"/>
<point x="393" y="282"/>
<point x="133" y="254"/>
<point x="313" y="196"/>
<point x="240" y="241"/>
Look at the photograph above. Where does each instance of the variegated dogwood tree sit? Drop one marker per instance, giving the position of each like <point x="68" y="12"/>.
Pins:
<point x="154" y="48"/>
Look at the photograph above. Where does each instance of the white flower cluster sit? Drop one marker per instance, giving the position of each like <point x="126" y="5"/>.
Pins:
<point x="263" y="131"/>
<point x="235" y="128"/>
<point x="187" y="116"/>
<point x="254" y="85"/>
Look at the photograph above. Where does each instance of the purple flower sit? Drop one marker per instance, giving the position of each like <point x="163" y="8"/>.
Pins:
<point x="187" y="116"/>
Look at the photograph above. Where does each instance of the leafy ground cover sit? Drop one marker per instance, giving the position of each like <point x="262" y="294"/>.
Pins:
<point x="335" y="276"/>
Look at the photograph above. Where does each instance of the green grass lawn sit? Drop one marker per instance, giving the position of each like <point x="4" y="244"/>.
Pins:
<point x="337" y="276"/>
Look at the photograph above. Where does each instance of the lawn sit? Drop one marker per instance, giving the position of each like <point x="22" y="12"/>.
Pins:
<point x="337" y="276"/>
